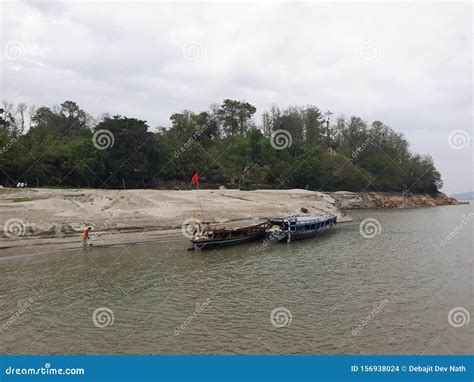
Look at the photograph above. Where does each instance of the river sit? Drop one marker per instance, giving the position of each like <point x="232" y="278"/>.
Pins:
<point x="407" y="288"/>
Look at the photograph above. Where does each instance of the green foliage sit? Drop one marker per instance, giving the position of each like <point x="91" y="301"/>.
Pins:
<point x="131" y="161"/>
<point x="224" y="144"/>
<point x="235" y="115"/>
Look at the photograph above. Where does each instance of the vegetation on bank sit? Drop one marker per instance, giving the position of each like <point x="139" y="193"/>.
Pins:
<point x="296" y="147"/>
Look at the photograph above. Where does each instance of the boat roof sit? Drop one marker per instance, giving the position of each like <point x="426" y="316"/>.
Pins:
<point x="220" y="229"/>
<point x="301" y="219"/>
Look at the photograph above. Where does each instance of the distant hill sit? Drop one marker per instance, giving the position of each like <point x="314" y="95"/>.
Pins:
<point x="464" y="196"/>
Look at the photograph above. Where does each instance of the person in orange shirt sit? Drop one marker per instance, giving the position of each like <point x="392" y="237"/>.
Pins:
<point x="85" y="237"/>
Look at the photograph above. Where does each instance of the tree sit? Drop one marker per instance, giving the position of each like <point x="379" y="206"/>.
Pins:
<point x="223" y="143"/>
<point x="235" y="116"/>
<point x="8" y="120"/>
<point x="266" y="124"/>
<point x="4" y="120"/>
<point x="313" y="121"/>
<point x="292" y="120"/>
<point x="422" y="175"/>
<point x="131" y="160"/>
<point x="21" y="110"/>
<point x="75" y="117"/>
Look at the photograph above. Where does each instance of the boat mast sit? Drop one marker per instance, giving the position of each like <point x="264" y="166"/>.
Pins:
<point x="199" y="200"/>
<point x="195" y="180"/>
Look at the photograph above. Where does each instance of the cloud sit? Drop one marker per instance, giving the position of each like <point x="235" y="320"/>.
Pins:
<point x="407" y="64"/>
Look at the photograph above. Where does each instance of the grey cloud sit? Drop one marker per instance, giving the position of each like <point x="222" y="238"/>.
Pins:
<point x="127" y="58"/>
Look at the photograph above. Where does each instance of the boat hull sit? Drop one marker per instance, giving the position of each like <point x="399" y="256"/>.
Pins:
<point x="216" y="244"/>
<point x="282" y="237"/>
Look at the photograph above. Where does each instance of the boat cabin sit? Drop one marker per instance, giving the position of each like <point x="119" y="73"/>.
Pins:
<point x="298" y="223"/>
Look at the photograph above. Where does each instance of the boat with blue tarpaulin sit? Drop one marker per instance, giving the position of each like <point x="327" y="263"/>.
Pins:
<point x="295" y="227"/>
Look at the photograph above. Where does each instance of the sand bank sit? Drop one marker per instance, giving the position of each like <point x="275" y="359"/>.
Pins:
<point x="45" y="220"/>
<point x="42" y="220"/>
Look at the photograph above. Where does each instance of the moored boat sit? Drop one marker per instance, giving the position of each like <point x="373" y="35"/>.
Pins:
<point x="295" y="227"/>
<point x="207" y="237"/>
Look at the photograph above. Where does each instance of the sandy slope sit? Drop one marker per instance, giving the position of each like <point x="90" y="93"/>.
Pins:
<point x="50" y="219"/>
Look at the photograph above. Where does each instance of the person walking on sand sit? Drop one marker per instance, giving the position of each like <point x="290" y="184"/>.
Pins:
<point x="85" y="237"/>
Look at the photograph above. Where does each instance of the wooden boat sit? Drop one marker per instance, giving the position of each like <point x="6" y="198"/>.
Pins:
<point x="295" y="227"/>
<point x="207" y="237"/>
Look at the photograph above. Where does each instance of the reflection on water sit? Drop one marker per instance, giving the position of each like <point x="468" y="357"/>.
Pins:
<point x="341" y="293"/>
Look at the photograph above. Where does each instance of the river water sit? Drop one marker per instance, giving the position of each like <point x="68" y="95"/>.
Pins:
<point x="342" y="293"/>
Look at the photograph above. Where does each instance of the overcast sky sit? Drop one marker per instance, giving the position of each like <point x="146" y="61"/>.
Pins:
<point x="406" y="64"/>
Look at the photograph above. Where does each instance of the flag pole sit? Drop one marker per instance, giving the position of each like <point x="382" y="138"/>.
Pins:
<point x="199" y="200"/>
<point x="197" y="194"/>
<point x="195" y="180"/>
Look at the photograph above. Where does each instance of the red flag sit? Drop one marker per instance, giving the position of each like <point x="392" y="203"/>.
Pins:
<point x="195" y="179"/>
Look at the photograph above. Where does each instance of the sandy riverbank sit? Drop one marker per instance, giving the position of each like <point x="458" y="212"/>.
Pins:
<point x="44" y="220"/>
<point x="51" y="219"/>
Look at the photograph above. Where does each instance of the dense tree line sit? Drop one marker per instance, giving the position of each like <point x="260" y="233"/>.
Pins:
<point x="295" y="147"/>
